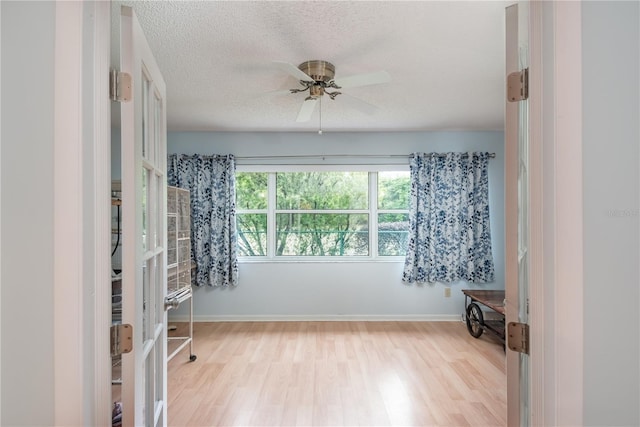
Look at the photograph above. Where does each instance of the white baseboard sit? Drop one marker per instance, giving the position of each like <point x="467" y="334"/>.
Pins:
<point x="321" y="318"/>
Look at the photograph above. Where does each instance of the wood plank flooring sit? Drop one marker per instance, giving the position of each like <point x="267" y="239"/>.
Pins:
<point x="337" y="374"/>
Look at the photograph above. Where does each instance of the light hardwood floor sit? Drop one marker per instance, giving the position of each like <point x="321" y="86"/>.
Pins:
<point x="337" y="374"/>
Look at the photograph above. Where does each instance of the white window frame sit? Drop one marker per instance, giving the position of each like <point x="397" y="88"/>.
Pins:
<point x="372" y="211"/>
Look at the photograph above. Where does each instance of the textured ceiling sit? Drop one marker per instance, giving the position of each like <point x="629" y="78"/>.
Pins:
<point x="445" y="58"/>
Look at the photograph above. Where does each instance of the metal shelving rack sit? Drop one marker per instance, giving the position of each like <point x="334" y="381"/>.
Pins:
<point x="179" y="261"/>
<point x="116" y="281"/>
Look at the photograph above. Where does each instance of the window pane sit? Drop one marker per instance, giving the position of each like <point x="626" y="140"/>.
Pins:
<point x="145" y="115"/>
<point x="251" y="190"/>
<point x="393" y="234"/>
<point x="393" y="190"/>
<point x="322" y="234"/>
<point x="252" y="234"/>
<point x="322" y="190"/>
<point x="145" y="207"/>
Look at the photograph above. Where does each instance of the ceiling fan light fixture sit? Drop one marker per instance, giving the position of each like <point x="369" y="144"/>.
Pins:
<point x="316" y="91"/>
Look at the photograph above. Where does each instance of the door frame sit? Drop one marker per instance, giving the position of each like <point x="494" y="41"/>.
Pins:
<point x="99" y="14"/>
<point x="82" y="175"/>
<point x="555" y="46"/>
<point x="556" y="209"/>
<point x="556" y="31"/>
<point x="555" y="217"/>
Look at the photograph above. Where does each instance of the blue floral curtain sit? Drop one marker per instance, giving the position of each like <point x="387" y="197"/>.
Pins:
<point x="212" y="185"/>
<point x="449" y="233"/>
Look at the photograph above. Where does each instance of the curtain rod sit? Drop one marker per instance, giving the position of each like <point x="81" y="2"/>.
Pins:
<point x="334" y="156"/>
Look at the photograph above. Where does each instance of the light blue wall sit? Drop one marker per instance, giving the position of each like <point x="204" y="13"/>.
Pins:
<point x="611" y="161"/>
<point x="341" y="289"/>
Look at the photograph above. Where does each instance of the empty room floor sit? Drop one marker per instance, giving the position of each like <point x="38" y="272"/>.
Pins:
<point x="337" y="374"/>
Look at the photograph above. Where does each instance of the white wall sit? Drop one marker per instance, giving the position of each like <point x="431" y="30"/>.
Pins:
<point x="611" y="138"/>
<point x="27" y="371"/>
<point x="328" y="290"/>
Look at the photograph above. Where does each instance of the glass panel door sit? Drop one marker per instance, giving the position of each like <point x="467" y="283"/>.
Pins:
<point x="143" y="152"/>
<point x="523" y="241"/>
<point x="517" y="215"/>
<point x="523" y="211"/>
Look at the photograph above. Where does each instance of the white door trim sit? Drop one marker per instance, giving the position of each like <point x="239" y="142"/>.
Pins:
<point x="556" y="209"/>
<point x="556" y="289"/>
<point x="537" y="302"/>
<point x="68" y="328"/>
<point x="566" y="144"/>
<point x="98" y="129"/>
<point x="82" y="309"/>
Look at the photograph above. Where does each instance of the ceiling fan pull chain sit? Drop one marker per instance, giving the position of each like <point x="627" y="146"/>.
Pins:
<point x="320" y="111"/>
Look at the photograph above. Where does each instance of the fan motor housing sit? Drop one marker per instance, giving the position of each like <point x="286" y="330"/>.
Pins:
<point x="318" y="70"/>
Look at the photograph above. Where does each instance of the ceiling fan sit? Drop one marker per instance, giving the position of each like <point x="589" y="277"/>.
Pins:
<point x="317" y="76"/>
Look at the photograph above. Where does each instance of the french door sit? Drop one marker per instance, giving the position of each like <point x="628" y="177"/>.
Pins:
<point x="143" y="183"/>
<point x="517" y="198"/>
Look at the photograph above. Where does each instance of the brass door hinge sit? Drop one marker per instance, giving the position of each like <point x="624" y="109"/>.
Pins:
<point x="518" y="337"/>
<point x="119" y="86"/>
<point x="518" y="86"/>
<point x="121" y="339"/>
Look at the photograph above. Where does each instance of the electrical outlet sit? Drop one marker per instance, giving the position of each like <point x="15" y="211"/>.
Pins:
<point x="447" y="292"/>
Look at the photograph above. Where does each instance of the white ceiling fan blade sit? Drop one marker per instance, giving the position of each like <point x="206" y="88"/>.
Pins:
<point x="292" y="70"/>
<point x="306" y="110"/>
<point x="276" y="92"/>
<point x="357" y="103"/>
<point x="364" y="79"/>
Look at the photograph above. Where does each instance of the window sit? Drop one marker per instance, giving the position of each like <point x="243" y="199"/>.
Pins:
<point x="393" y="213"/>
<point x="316" y="214"/>
<point x="251" y="214"/>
